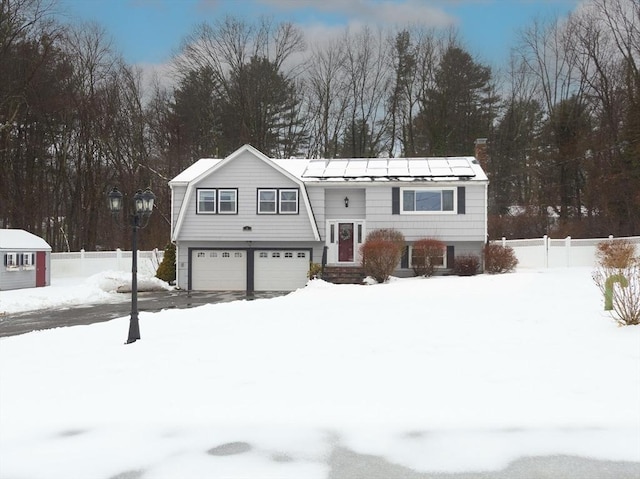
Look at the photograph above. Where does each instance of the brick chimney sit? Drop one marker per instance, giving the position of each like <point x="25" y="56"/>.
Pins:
<point x="481" y="152"/>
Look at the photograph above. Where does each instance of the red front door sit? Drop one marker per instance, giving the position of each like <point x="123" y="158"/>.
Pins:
<point x="41" y="268"/>
<point x="345" y="242"/>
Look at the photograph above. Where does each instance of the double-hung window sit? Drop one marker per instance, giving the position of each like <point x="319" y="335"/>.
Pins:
<point x="267" y="202"/>
<point x="217" y="201"/>
<point x="428" y="200"/>
<point x="288" y="202"/>
<point x="227" y="202"/>
<point x="206" y="202"/>
<point x="273" y="201"/>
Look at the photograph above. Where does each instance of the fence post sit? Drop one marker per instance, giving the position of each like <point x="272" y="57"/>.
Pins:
<point x="567" y="251"/>
<point x="504" y="242"/>
<point x="83" y="263"/>
<point x="545" y="241"/>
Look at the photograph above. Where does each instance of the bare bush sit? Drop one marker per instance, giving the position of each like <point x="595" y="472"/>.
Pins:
<point x="426" y="254"/>
<point x="466" y="265"/>
<point x="618" y="278"/>
<point x="499" y="259"/>
<point x="615" y="253"/>
<point x="381" y="253"/>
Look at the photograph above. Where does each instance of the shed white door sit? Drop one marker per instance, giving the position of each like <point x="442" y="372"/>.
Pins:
<point x="280" y="270"/>
<point x="219" y="270"/>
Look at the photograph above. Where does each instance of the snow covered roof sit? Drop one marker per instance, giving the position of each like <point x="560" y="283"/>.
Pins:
<point x="195" y="170"/>
<point x="16" y="239"/>
<point x="362" y="169"/>
<point x="371" y="169"/>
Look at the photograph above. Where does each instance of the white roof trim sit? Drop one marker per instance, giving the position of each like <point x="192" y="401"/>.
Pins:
<point x="203" y="173"/>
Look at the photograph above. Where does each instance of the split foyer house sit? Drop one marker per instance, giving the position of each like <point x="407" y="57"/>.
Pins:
<point x="254" y="223"/>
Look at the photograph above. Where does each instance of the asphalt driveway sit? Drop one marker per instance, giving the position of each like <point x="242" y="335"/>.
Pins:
<point x="20" y="323"/>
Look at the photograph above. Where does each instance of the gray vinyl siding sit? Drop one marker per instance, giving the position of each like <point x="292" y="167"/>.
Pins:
<point x="373" y="203"/>
<point x="317" y="198"/>
<point x="445" y="227"/>
<point x="246" y="174"/>
<point x="17" y="279"/>
<point x="177" y="197"/>
<point x="335" y="207"/>
<point x="182" y="252"/>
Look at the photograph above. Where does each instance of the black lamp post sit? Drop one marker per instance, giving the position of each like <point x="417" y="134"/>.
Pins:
<point x="142" y="209"/>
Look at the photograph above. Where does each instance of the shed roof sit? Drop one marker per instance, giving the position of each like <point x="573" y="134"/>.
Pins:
<point x="15" y="239"/>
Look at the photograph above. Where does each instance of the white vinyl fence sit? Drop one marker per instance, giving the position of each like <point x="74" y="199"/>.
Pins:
<point x="87" y="263"/>
<point x="547" y="252"/>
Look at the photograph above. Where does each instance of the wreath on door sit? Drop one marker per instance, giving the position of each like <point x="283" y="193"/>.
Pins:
<point x="345" y="233"/>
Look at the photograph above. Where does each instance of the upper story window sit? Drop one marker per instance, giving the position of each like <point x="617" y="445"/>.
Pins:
<point x="206" y="201"/>
<point x="217" y="201"/>
<point x="428" y="200"/>
<point x="227" y="201"/>
<point x="267" y="202"/>
<point x="273" y="201"/>
<point x="288" y="201"/>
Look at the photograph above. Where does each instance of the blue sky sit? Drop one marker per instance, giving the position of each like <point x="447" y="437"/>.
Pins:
<point x="149" y="31"/>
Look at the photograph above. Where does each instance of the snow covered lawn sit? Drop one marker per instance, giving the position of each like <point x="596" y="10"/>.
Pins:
<point x="439" y="374"/>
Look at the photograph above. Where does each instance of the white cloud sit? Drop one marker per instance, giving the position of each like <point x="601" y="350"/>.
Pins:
<point x="380" y="12"/>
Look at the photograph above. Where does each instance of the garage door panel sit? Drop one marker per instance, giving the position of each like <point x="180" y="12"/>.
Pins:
<point x="219" y="270"/>
<point x="280" y="270"/>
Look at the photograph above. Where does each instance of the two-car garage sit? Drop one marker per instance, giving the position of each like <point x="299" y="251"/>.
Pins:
<point x="248" y="269"/>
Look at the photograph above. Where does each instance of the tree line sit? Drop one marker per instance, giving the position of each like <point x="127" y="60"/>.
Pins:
<point x="562" y="119"/>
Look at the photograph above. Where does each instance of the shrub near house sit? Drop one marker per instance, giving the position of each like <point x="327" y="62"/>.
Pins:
<point x="466" y="265"/>
<point x="499" y="259"/>
<point x="381" y="253"/>
<point x="427" y="254"/>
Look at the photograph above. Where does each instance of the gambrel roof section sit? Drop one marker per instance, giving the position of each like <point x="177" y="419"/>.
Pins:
<point x="204" y="167"/>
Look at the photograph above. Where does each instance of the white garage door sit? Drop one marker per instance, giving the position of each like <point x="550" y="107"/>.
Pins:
<point x="219" y="270"/>
<point x="280" y="270"/>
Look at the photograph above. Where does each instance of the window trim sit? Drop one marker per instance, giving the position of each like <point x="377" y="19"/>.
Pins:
<point x="235" y="200"/>
<point x="279" y="201"/>
<point x="440" y="189"/>
<point x="275" y="201"/>
<point x="297" y="201"/>
<point x="12" y="261"/>
<point x="199" y="191"/>
<point x="438" y="266"/>
<point x="217" y="201"/>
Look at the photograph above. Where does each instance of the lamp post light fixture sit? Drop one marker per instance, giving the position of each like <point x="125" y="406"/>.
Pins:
<point x="346" y="201"/>
<point x="142" y="209"/>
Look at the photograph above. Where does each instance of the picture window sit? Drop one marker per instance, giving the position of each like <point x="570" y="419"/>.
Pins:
<point x="428" y="200"/>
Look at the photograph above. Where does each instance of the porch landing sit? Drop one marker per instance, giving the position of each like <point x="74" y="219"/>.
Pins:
<point x="343" y="274"/>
